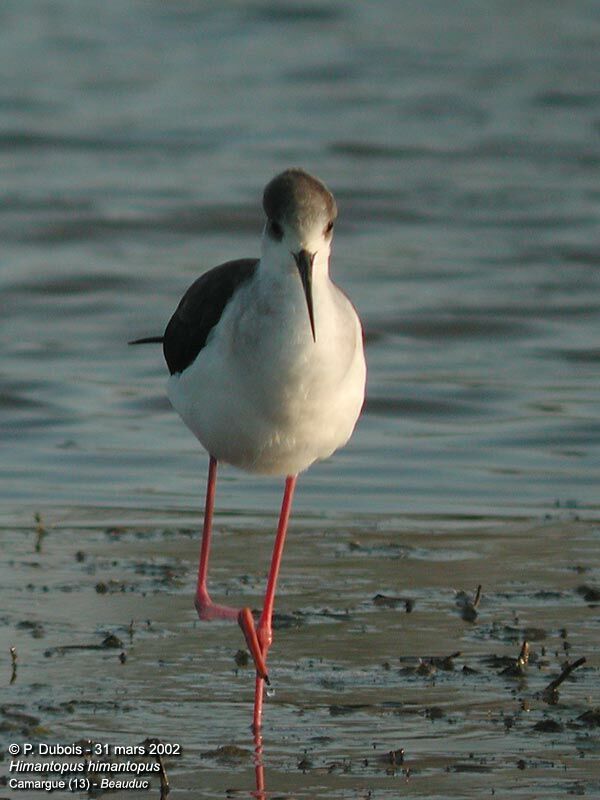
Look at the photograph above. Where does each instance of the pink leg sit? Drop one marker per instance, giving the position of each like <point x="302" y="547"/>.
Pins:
<point x="205" y="607"/>
<point x="259" y="689"/>
<point x="265" y="630"/>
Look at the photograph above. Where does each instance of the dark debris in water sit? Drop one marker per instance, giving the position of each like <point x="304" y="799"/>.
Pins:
<point x="389" y="762"/>
<point x="156" y="576"/>
<point x="344" y="766"/>
<point x="468" y="605"/>
<point x="70" y="706"/>
<point x="591" y="594"/>
<point x="305" y="764"/>
<point x="297" y="619"/>
<point x="114" y="587"/>
<point x="427" y="666"/>
<point x="40" y="532"/>
<point x="328" y="613"/>
<point x="110" y="642"/>
<point x="294" y="620"/>
<point x="550" y="693"/>
<point x="518" y="668"/>
<point x="227" y="754"/>
<point x="548" y="726"/>
<point x="590" y="719"/>
<point x="13" y="664"/>
<point x="345" y="709"/>
<point x="388" y="601"/>
<point x="515" y="667"/>
<point x="499" y="632"/>
<point x="165" y="574"/>
<point x="36" y="629"/>
<point x="435" y="712"/>
<point x="393" y="757"/>
<point x="242" y="658"/>
<point x="18" y="717"/>
<point x="469" y="767"/>
<point x="534" y="634"/>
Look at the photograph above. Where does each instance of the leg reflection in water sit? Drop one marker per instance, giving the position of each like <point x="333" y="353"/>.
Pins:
<point x="259" y="768"/>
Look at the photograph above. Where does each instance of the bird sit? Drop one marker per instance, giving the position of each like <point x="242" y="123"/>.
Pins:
<point x="267" y="369"/>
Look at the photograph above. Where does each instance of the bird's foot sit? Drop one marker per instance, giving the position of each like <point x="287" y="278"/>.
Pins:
<point x="259" y="655"/>
<point x="208" y="610"/>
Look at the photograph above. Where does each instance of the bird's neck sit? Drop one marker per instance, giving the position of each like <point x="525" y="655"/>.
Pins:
<point x="279" y="268"/>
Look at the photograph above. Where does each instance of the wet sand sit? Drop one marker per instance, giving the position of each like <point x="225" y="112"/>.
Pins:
<point x="387" y="682"/>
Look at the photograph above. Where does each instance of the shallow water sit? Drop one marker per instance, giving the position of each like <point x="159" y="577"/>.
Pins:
<point x="351" y="663"/>
<point x="463" y="148"/>
<point x="462" y="143"/>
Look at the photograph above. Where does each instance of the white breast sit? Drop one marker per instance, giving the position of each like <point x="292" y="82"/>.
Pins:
<point x="262" y="395"/>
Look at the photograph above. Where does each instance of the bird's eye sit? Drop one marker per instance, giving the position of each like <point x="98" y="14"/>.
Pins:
<point x="275" y="230"/>
<point x="328" y="228"/>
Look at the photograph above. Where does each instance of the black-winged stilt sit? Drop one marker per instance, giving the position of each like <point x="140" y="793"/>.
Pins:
<point x="267" y="370"/>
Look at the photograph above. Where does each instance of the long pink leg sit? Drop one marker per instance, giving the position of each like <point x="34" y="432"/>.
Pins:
<point x="265" y="630"/>
<point x="205" y="607"/>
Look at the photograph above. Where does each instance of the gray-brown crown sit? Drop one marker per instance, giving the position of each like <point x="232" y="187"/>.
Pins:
<point x="296" y="198"/>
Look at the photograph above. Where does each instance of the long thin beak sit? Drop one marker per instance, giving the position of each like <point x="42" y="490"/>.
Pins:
<point x="304" y="261"/>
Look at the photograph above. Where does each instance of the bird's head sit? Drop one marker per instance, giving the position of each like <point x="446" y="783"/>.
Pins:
<point x="299" y="228"/>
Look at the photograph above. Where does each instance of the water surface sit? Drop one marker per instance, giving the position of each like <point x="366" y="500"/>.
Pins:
<point x="462" y="143"/>
<point x="463" y="148"/>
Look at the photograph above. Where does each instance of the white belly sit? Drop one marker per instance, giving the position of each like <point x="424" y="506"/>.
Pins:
<point x="267" y="398"/>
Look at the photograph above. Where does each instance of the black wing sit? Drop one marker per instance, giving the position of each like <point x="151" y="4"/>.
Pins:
<point x="200" y="310"/>
<point x="147" y="340"/>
